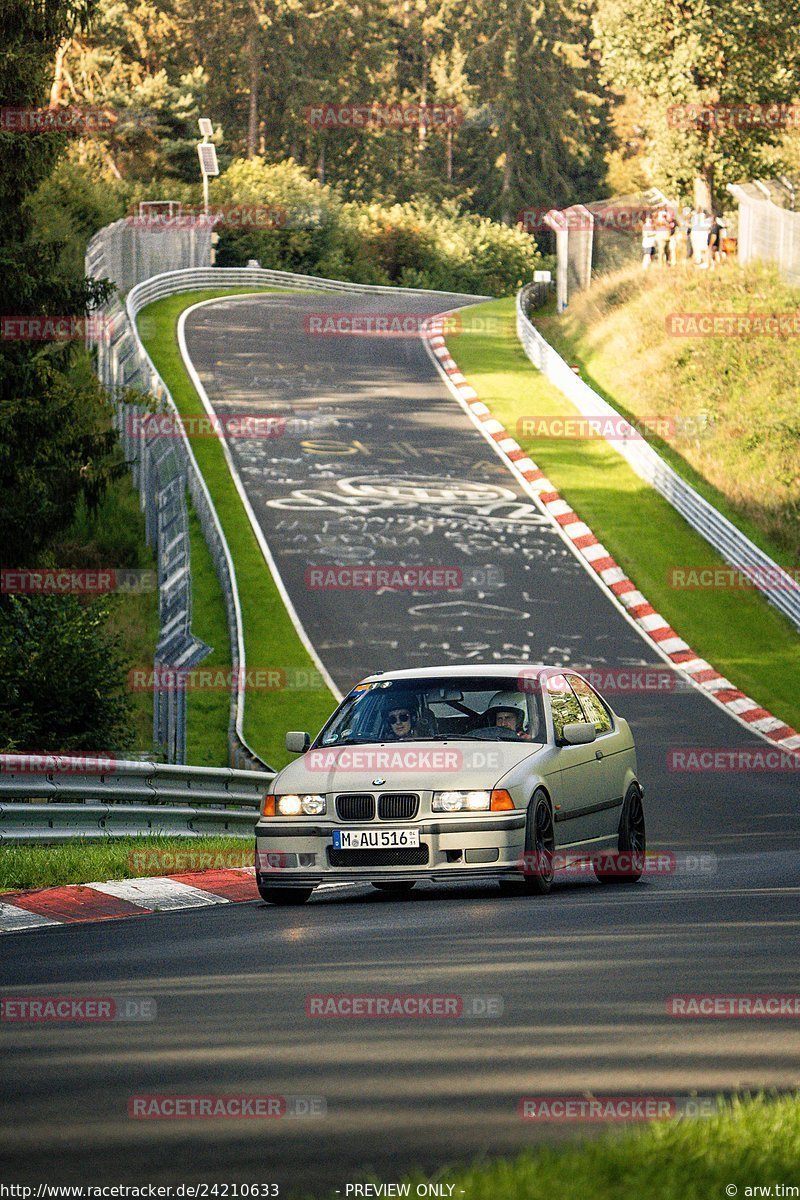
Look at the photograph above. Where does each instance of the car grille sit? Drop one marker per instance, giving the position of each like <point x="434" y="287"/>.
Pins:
<point x="404" y="856"/>
<point x="358" y="807"/>
<point x="398" y="806"/>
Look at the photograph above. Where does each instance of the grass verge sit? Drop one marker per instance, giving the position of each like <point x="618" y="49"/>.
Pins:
<point x="271" y="640"/>
<point x="728" y="403"/>
<point x="208" y="711"/>
<point x="737" y="631"/>
<point x="123" y="858"/>
<point x="747" y="1144"/>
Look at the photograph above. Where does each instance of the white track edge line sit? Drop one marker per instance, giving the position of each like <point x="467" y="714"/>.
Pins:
<point x="257" y="530"/>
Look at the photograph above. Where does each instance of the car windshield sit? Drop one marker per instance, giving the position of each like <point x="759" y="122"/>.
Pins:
<point x="486" y="708"/>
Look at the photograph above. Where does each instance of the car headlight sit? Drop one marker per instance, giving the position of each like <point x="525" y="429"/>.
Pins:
<point x="461" y="801"/>
<point x="497" y="800"/>
<point x="295" y="806"/>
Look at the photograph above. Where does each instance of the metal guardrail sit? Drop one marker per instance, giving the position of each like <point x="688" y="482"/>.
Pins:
<point x="734" y="546"/>
<point x="171" y="282"/>
<point x="113" y="799"/>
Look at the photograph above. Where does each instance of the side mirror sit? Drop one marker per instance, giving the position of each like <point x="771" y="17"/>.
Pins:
<point x="578" y="733"/>
<point x="297" y="742"/>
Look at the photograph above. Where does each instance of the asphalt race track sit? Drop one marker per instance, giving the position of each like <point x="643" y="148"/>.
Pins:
<point x="378" y="464"/>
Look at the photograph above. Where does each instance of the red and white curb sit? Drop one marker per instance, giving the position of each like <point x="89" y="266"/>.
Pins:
<point x="608" y="573"/>
<point x="75" y="903"/>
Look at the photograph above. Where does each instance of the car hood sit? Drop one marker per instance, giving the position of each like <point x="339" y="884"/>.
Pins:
<point x="404" y="766"/>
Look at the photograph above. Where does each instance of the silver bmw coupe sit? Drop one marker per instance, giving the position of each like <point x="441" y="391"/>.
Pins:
<point x="506" y="772"/>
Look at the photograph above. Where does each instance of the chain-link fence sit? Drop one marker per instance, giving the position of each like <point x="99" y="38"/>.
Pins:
<point x="769" y="225"/>
<point x="163" y="468"/>
<point x="137" y="248"/>
<point x="599" y="237"/>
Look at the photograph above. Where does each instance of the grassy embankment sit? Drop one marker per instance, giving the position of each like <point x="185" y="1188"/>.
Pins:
<point x="271" y="640"/>
<point x="746" y="1144"/>
<point x="736" y="630"/>
<point x="123" y="858"/>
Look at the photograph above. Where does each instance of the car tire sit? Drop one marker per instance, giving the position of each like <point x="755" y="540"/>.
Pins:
<point x="284" y="895"/>
<point x="400" y="888"/>
<point x="627" y="863"/>
<point x="540" y="846"/>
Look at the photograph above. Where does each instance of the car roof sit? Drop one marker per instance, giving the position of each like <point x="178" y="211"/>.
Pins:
<point x="474" y="670"/>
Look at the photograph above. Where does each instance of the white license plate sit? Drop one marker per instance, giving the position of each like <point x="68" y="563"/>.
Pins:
<point x="374" y="839"/>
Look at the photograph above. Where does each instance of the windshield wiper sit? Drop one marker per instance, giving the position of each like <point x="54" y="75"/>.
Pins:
<point x="351" y="741"/>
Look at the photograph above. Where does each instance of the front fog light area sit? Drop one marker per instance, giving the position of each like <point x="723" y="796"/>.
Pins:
<point x="461" y="801"/>
<point x="294" y="806"/>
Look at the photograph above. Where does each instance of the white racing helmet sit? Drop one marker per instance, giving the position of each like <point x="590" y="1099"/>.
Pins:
<point x="510" y="702"/>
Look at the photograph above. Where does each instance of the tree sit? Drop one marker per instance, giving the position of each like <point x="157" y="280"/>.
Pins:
<point x="62" y="677"/>
<point x="534" y="69"/>
<point x="56" y="444"/>
<point x="672" y="54"/>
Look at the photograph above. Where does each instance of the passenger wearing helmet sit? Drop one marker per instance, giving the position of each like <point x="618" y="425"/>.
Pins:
<point x="508" y="710"/>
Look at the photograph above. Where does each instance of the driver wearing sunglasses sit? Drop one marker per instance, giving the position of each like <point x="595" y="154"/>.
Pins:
<point x="400" y="721"/>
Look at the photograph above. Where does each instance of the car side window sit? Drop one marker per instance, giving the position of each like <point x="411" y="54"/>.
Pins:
<point x="596" y="712"/>
<point x="563" y="703"/>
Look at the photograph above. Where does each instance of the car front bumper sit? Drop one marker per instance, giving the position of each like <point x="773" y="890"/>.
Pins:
<point x="298" y="854"/>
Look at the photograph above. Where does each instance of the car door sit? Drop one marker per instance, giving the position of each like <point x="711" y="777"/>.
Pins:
<point x="610" y="750"/>
<point x="578" y="769"/>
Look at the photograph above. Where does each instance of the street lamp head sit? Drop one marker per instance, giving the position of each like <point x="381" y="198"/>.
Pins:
<point x="206" y="128"/>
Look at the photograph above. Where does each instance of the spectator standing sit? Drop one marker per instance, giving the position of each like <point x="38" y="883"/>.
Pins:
<point x="700" y="226"/>
<point x="662" y="236"/>
<point x="715" y="235"/>
<point x="672" y="240"/>
<point x="648" y="242"/>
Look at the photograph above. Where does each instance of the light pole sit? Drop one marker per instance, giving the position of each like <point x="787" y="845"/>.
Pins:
<point x="207" y="153"/>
